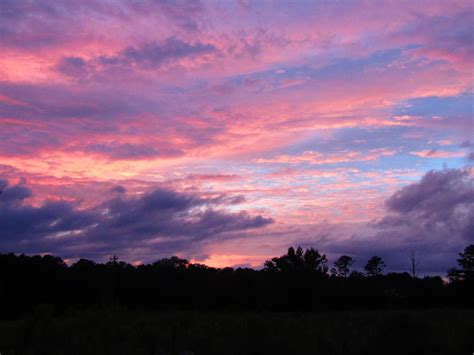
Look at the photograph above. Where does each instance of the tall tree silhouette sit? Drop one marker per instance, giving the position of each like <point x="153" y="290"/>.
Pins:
<point x="374" y="266"/>
<point x="172" y="263"/>
<point x="297" y="281"/>
<point x="342" y="266"/>
<point x="414" y="259"/>
<point x="315" y="262"/>
<point x="298" y="260"/>
<point x="466" y="263"/>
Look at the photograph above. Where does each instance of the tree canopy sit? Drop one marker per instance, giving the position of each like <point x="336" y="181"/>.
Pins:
<point x="374" y="266"/>
<point x="298" y="260"/>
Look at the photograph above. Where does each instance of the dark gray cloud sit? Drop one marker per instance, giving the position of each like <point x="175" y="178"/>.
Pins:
<point x="133" y="151"/>
<point x="72" y="66"/>
<point x="154" y="54"/>
<point x="159" y="222"/>
<point x="437" y="190"/>
<point x="184" y="13"/>
<point x="146" y="56"/>
<point x="441" y="204"/>
<point x="434" y="217"/>
<point x="118" y="189"/>
<point x="37" y="24"/>
<point x="15" y="193"/>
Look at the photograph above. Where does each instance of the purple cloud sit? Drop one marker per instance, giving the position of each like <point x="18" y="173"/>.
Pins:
<point x="154" y="54"/>
<point x="72" y="66"/>
<point x="146" y="56"/>
<point x="132" y="151"/>
<point x="470" y="156"/>
<point x="27" y="24"/>
<point x="161" y="221"/>
<point x="14" y="194"/>
<point x="434" y="217"/>
<point x="437" y="192"/>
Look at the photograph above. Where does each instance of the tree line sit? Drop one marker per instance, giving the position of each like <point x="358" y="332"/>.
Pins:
<point x="299" y="280"/>
<point x="311" y="260"/>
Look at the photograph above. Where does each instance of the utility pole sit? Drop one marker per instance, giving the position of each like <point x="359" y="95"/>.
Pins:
<point x="115" y="275"/>
<point x="113" y="259"/>
<point x="414" y="263"/>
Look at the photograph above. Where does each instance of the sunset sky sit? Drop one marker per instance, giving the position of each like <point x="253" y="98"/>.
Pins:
<point x="224" y="132"/>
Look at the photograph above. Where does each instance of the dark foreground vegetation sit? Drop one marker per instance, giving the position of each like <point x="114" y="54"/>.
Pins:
<point x="295" y="305"/>
<point x="142" y="332"/>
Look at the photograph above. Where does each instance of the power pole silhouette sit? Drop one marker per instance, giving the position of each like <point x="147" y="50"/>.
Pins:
<point x="414" y="263"/>
<point x="114" y="261"/>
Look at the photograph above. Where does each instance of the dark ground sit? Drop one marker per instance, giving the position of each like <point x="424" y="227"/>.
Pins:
<point x="437" y="331"/>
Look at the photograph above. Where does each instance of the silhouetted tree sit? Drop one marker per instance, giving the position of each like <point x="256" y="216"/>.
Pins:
<point x="288" y="262"/>
<point x="298" y="282"/>
<point x="466" y="262"/>
<point x="374" y="266"/>
<point x="172" y="263"/>
<point x="53" y="262"/>
<point x="342" y="266"/>
<point x="113" y="260"/>
<point x="83" y="264"/>
<point x="414" y="262"/>
<point x="298" y="260"/>
<point x="315" y="262"/>
<point x="356" y="274"/>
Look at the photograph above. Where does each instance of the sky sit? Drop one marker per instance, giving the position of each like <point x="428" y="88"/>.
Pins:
<point x="225" y="131"/>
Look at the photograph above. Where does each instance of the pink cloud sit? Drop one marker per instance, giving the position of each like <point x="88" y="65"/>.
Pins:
<point x="315" y="158"/>
<point x="438" y="154"/>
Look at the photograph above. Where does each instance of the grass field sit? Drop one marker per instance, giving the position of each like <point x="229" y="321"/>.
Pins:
<point x="182" y="332"/>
